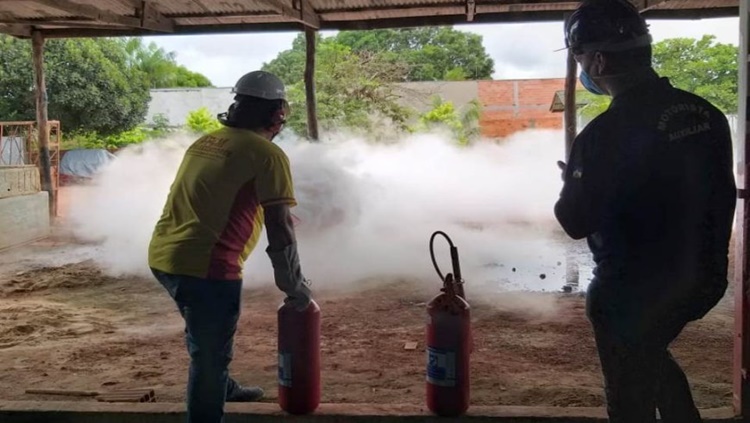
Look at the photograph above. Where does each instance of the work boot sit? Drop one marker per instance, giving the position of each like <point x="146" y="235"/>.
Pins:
<point x="239" y="393"/>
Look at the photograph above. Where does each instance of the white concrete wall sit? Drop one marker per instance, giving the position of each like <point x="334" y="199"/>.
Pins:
<point x="19" y="180"/>
<point x="419" y="95"/>
<point x="176" y="103"/>
<point x="23" y="219"/>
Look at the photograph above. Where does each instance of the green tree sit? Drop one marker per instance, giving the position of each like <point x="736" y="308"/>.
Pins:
<point x="160" y="123"/>
<point x="183" y="77"/>
<point x="158" y="128"/>
<point x="289" y="65"/>
<point x="90" y="86"/>
<point x="136" y="135"/>
<point x="202" y="121"/>
<point x="97" y="88"/>
<point x="351" y="87"/>
<point x="432" y="53"/>
<point x="456" y="74"/>
<point x="703" y="67"/>
<point x="463" y="124"/>
<point x="160" y="67"/>
<point x="355" y="71"/>
<point x="594" y="104"/>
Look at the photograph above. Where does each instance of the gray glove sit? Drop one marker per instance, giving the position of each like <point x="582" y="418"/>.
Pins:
<point x="288" y="275"/>
<point x="300" y="300"/>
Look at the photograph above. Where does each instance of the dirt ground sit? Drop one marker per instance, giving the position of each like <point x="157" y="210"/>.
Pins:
<point x="71" y="327"/>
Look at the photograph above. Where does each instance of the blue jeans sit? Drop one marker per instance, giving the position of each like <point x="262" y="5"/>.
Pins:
<point x="211" y="309"/>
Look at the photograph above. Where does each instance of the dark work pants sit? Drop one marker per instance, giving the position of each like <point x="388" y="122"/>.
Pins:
<point x="633" y="331"/>
<point x="211" y="309"/>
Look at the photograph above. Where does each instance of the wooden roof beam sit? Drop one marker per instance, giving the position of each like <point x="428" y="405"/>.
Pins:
<point x="393" y="13"/>
<point x="11" y="24"/>
<point x="430" y="11"/>
<point x="151" y="17"/>
<point x="42" y="25"/>
<point x="16" y="30"/>
<point x="148" y="15"/>
<point x="300" y="11"/>
<point x="557" y="6"/>
<point x="646" y="5"/>
<point x="206" y="10"/>
<point x="471" y="10"/>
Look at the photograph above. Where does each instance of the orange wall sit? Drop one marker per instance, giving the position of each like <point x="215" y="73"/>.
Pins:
<point x="514" y="105"/>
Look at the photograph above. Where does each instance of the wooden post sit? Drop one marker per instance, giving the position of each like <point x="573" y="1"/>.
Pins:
<point x="40" y="90"/>
<point x="741" y="379"/>
<point x="312" y="112"/>
<point x="570" y="113"/>
<point x="572" y="275"/>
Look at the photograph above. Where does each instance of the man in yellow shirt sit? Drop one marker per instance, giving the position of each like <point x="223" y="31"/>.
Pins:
<point x="229" y="184"/>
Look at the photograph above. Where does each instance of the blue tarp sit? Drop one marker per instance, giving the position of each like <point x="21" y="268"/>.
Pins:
<point x="84" y="163"/>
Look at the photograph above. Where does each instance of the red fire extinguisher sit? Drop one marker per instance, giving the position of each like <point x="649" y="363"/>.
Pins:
<point x="449" y="342"/>
<point x="299" y="358"/>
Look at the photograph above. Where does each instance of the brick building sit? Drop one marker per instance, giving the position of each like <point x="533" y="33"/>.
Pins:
<point x="509" y="106"/>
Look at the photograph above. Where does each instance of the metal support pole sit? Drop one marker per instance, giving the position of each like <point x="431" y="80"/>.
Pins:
<point x="741" y="400"/>
<point x="312" y="112"/>
<point x="40" y="90"/>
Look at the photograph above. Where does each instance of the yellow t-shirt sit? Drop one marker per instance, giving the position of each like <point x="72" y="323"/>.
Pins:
<point x="214" y="213"/>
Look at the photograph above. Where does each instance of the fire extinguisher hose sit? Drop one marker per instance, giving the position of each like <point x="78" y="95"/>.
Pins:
<point x="454" y="256"/>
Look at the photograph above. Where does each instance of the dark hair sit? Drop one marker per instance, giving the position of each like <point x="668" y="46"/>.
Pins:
<point x="253" y="113"/>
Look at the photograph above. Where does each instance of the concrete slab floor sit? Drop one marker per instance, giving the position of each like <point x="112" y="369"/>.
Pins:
<point x="95" y="412"/>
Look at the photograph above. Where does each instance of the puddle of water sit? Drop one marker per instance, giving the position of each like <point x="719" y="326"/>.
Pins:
<point x="539" y="263"/>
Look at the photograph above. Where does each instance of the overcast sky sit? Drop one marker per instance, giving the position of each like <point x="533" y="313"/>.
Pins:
<point x="520" y="50"/>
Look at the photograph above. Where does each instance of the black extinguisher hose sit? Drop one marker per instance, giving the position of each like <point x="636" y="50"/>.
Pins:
<point x="454" y="256"/>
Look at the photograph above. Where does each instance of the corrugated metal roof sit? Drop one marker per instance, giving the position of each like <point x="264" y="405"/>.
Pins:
<point x="29" y="10"/>
<point x="182" y="7"/>
<point x="208" y="7"/>
<point x="59" y="18"/>
<point x="696" y="4"/>
<point x="328" y="5"/>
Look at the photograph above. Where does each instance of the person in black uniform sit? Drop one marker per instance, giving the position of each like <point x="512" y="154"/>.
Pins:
<point x="649" y="183"/>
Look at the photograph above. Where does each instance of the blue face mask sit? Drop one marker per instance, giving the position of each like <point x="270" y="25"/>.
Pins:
<point x="589" y="84"/>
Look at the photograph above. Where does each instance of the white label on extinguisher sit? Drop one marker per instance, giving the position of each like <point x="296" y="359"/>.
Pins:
<point x="441" y="367"/>
<point x="285" y="369"/>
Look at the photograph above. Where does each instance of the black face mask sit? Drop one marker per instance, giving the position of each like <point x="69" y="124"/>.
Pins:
<point x="281" y="128"/>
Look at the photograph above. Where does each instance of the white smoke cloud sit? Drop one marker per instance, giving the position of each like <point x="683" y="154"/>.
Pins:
<point x="122" y="205"/>
<point x="367" y="210"/>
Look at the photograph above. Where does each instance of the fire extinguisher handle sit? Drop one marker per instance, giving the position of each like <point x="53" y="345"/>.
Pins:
<point x="456" y="264"/>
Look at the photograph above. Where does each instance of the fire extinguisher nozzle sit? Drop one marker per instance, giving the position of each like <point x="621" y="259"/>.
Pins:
<point x="456" y="263"/>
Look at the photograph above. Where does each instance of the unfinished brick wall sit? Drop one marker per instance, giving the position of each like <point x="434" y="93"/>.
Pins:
<point x="515" y="105"/>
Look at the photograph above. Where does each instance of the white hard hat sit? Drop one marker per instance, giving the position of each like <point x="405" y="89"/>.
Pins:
<point x="260" y="84"/>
